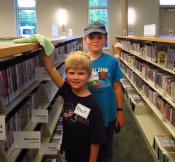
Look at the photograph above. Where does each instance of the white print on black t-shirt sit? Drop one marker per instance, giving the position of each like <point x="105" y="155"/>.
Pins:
<point x="82" y="111"/>
<point x="71" y="117"/>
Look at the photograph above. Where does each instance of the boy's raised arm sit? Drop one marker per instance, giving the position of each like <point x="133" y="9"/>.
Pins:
<point x="52" y="71"/>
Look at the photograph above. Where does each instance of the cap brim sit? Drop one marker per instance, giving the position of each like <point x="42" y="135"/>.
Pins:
<point x="90" y="31"/>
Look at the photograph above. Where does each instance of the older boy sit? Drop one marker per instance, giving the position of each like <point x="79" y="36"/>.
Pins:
<point x="105" y="84"/>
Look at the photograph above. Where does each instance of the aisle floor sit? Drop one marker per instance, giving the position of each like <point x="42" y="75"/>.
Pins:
<point x="129" y="144"/>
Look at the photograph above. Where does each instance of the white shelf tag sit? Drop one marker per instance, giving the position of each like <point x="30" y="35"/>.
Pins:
<point x="26" y="139"/>
<point x="48" y="149"/>
<point x="39" y="116"/>
<point x="2" y="127"/>
<point x="150" y="30"/>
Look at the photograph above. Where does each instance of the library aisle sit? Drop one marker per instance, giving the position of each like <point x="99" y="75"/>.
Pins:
<point x="129" y="144"/>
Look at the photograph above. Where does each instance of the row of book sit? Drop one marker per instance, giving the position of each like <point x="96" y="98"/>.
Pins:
<point x="165" y="108"/>
<point x="73" y="46"/>
<point x="50" y="90"/>
<point x="56" y="138"/>
<point x="58" y="134"/>
<point x="134" y="100"/>
<point x="20" y="117"/>
<point x="163" y="54"/>
<point x="62" y="50"/>
<point x="163" y="145"/>
<point x="54" y="108"/>
<point x="15" y="78"/>
<point x="135" y="78"/>
<point x="49" y="160"/>
<point x="164" y="148"/>
<point x="161" y="80"/>
<point x="18" y="76"/>
<point x="29" y="155"/>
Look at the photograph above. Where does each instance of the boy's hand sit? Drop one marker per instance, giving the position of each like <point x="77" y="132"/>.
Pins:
<point x="120" y="119"/>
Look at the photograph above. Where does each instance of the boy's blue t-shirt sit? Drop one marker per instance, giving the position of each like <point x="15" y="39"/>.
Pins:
<point x="105" y="71"/>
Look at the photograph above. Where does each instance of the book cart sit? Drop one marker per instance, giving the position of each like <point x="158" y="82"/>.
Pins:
<point x="29" y="100"/>
<point x="148" y="65"/>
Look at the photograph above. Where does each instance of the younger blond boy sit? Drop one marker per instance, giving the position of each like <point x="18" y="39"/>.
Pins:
<point x="83" y="129"/>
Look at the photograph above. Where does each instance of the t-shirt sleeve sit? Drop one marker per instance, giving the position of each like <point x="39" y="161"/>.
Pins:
<point x="64" y="89"/>
<point x="117" y="71"/>
<point x="97" y="129"/>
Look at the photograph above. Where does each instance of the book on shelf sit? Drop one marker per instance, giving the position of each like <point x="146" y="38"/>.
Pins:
<point x="135" y="101"/>
<point x="171" y="58"/>
<point x="149" y="64"/>
<point x="164" y="147"/>
<point x="161" y="58"/>
<point x="18" y="85"/>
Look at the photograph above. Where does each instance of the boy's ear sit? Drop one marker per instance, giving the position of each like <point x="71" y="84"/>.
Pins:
<point x="84" y="38"/>
<point x="106" y="37"/>
<point x="89" y="73"/>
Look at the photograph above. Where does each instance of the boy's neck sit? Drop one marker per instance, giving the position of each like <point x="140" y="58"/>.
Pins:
<point x="82" y="92"/>
<point x="94" y="55"/>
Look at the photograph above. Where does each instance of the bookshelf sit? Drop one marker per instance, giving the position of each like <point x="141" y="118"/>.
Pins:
<point x="151" y="80"/>
<point x="26" y="87"/>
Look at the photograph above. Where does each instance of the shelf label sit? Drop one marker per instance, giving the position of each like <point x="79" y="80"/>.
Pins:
<point x="54" y="31"/>
<point x="48" y="149"/>
<point x="27" y="140"/>
<point x="2" y="127"/>
<point x="150" y="30"/>
<point x="39" y="116"/>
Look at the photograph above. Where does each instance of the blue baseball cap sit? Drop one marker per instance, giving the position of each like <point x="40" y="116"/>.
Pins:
<point x="95" y="27"/>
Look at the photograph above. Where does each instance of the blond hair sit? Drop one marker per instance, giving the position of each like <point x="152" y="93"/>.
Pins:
<point x="78" y="60"/>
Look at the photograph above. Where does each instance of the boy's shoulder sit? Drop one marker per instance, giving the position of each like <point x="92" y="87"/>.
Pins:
<point x="92" y="101"/>
<point x="109" y="56"/>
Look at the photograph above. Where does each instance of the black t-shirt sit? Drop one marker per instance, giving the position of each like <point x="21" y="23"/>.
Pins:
<point x="78" y="132"/>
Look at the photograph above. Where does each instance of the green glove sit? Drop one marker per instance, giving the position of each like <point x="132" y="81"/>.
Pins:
<point x="29" y="39"/>
<point x="38" y="38"/>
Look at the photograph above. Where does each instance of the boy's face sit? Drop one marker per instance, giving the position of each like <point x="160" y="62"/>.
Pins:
<point x="95" y="41"/>
<point x="77" y="78"/>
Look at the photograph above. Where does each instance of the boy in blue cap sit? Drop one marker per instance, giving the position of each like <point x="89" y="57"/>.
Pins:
<point x="105" y="85"/>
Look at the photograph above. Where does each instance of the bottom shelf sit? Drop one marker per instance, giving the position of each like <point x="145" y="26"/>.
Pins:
<point x="149" y="127"/>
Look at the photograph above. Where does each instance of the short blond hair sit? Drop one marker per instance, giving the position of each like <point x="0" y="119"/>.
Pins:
<point x="78" y="60"/>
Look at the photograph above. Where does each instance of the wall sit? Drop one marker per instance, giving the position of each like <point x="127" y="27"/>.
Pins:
<point x="7" y="18"/>
<point x="147" y="12"/>
<point x="46" y="16"/>
<point x="77" y="16"/>
<point x="115" y="21"/>
<point x="167" y="22"/>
